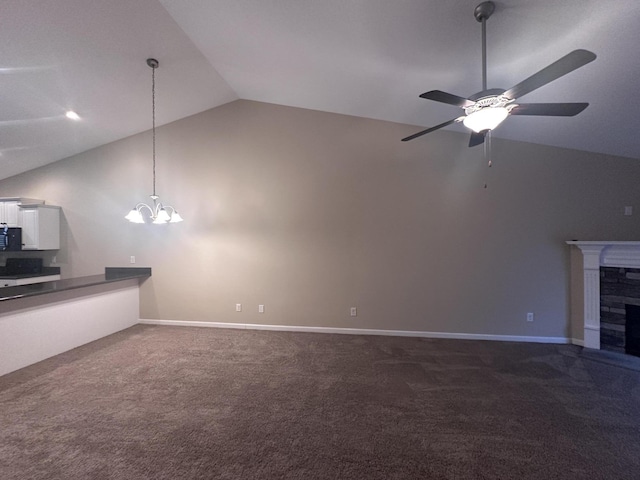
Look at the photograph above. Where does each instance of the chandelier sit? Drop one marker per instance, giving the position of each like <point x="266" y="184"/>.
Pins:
<point x="158" y="213"/>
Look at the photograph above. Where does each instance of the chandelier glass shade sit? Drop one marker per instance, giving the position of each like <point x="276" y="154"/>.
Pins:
<point x="158" y="213"/>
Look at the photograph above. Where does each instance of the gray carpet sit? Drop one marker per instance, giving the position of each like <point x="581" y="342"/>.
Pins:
<point x="173" y="403"/>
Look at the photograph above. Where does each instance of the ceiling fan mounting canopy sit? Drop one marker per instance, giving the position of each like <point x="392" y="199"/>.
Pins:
<point x="484" y="11"/>
<point x="486" y="109"/>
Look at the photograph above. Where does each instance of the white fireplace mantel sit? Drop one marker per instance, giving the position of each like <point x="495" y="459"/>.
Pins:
<point x="598" y="254"/>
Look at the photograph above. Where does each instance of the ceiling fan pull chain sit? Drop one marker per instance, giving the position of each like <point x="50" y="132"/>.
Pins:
<point x="487" y="147"/>
<point x="487" y="153"/>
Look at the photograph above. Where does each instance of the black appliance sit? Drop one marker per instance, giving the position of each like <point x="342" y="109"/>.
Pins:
<point x="10" y="238"/>
<point x="23" y="266"/>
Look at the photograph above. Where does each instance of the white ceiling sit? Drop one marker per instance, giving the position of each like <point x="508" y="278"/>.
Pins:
<point x="369" y="58"/>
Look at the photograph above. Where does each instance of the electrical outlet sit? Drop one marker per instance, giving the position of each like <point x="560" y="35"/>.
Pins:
<point x="354" y="312"/>
<point x="530" y="317"/>
<point x="238" y="307"/>
<point x="132" y="259"/>
<point x="260" y="308"/>
<point x="628" y="210"/>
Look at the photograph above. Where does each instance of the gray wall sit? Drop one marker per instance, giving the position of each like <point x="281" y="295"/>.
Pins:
<point x="311" y="213"/>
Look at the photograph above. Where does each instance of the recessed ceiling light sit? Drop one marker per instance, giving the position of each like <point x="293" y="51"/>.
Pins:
<point x="72" y="115"/>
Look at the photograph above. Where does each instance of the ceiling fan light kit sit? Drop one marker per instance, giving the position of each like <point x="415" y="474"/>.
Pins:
<point x="485" y="110"/>
<point x="485" y="119"/>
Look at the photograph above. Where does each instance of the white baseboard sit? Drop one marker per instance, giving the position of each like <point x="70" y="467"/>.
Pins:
<point x="364" y="331"/>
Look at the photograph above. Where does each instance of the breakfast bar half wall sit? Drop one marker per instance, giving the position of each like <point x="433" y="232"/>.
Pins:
<point x="42" y="320"/>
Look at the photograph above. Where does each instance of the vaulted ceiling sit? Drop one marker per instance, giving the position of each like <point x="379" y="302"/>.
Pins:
<point x="368" y="58"/>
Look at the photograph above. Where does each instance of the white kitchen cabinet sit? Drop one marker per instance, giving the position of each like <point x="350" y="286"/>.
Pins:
<point x="9" y="209"/>
<point x="40" y="227"/>
<point x="9" y="213"/>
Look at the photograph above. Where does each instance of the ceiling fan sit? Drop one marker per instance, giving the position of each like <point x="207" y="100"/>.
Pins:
<point x="485" y="110"/>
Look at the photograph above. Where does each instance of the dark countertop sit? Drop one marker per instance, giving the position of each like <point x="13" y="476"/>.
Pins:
<point x="111" y="274"/>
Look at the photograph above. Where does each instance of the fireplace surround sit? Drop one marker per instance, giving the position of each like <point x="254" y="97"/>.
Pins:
<point x="616" y="267"/>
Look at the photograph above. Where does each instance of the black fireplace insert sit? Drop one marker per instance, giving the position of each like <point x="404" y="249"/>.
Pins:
<point x="632" y="330"/>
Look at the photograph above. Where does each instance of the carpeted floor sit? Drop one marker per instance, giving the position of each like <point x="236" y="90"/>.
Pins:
<point x="188" y="403"/>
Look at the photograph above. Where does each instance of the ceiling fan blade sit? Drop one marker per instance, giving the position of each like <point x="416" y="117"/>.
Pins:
<point x="444" y="97"/>
<point x="477" y="138"/>
<point x="429" y="130"/>
<point x="549" y="109"/>
<point x="566" y="64"/>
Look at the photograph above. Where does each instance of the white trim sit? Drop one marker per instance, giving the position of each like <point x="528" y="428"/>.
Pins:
<point x="592" y="337"/>
<point x="610" y="254"/>
<point x="363" y="331"/>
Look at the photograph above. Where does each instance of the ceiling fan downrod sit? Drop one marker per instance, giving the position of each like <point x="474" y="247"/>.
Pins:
<point x="482" y="13"/>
